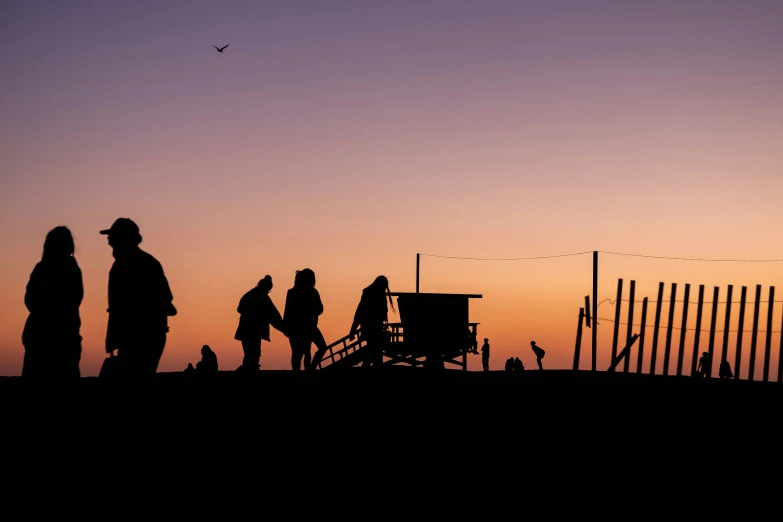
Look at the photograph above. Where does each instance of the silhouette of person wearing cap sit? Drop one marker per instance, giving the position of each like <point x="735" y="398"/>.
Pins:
<point x="539" y="353"/>
<point x="256" y="313"/>
<point x="140" y="303"/>
<point x="51" y="338"/>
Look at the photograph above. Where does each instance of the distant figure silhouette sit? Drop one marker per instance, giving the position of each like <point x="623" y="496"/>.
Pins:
<point x="510" y="364"/>
<point x="256" y="313"/>
<point x="539" y="353"/>
<point x="725" y="370"/>
<point x="472" y="342"/>
<point x="220" y="49"/>
<point x="300" y="318"/>
<point x="208" y="365"/>
<point x="371" y="316"/>
<point x="140" y="303"/>
<point x="518" y="366"/>
<point x="485" y="355"/>
<point x="51" y="337"/>
<point x="190" y="368"/>
<point x="704" y="362"/>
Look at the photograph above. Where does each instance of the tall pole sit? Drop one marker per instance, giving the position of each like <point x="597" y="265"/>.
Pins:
<point x="418" y="257"/>
<point x="595" y="308"/>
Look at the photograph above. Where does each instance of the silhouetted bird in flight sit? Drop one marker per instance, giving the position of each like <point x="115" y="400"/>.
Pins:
<point x="220" y="49"/>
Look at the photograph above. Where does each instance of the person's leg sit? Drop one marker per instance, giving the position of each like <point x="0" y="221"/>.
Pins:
<point x="320" y="344"/>
<point x="298" y="346"/>
<point x="538" y="360"/>
<point x="252" y="354"/>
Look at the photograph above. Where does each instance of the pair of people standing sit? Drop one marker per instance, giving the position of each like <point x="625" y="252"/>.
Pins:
<point x="299" y="321"/>
<point x="140" y="302"/>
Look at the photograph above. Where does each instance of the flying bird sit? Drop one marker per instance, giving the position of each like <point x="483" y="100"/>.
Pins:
<point x="220" y="49"/>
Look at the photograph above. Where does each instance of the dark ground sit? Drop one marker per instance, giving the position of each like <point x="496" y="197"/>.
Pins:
<point x="453" y="430"/>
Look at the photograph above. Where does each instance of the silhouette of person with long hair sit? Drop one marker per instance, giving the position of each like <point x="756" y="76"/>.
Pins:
<point x="208" y="365"/>
<point x="140" y="303"/>
<point x="510" y="364"/>
<point x="300" y="318"/>
<point x="485" y="355"/>
<point x="371" y="315"/>
<point x="539" y="353"/>
<point x="256" y="313"/>
<point x="51" y="336"/>
<point x="704" y="362"/>
<point x="518" y="366"/>
<point x="725" y="370"/>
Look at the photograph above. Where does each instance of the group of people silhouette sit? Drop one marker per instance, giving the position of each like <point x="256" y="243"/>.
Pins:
<point x="514" y="364"/>
<point x="140" y="303"/>
<point x="299" y="321"/>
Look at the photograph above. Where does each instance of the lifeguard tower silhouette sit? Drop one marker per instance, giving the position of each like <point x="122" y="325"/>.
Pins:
<point x="435" y="330"/>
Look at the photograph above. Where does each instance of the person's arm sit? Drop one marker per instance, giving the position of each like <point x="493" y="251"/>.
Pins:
<point x="275" y="319"/>
<point x="32" y="291"/>
<point x="357" y="318"/>
<point x="166" y="294"/>
<point x="319" y="306"/>
<point x="78" y="290"/>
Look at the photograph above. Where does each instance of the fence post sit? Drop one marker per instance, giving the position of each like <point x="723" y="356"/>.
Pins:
<point x="754" y="336"/>
<point x="725" y="350"/>
<point x="654" y="353"/>
<point x="641" y="336"/>
<point x="684" y="329"/>
<point x="618" y="304"/>
<point x="667" y="350"/>
<point x="578" y="347"/>
<point x="698" y="330"/>
<point x="768" y="344"/>
<point x="629" y="334"/>
<point x="710" y="348"/>
<point x="738" y="357"/>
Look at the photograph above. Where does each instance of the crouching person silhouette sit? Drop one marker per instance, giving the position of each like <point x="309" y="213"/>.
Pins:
<point x="256" y="313"/>
<point x="208" y="365"/>
<point x="140" y="303"/>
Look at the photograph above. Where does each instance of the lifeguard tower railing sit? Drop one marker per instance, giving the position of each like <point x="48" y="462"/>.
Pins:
<point x="434" y="330"/>
<point x="346" y="352"/>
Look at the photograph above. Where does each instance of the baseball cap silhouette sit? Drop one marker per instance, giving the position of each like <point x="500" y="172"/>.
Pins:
<point x="123" y="228"/>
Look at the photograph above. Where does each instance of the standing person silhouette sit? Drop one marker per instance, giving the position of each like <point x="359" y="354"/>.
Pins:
<point x="256" y="313"/>
<point x="539" y="353"/>
<point x="725" y="370"/>
<point x="51" y="336"/>
<point x="704" y="362"/>
<point x="300" y="318"/>
<point x="140" y="303"/>
<point x="485" y="354"/>
<point x="371" y="315"/>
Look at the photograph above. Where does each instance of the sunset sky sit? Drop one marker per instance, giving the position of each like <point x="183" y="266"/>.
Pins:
<point x="347" y="136"/>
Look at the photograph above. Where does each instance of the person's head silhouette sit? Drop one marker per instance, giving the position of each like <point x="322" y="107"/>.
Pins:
<point x="205" y="350"/>
<point x="304" y="278"/>
<point x="486" y="340"/>
<point x="123" y="235"/>
<point x="265" y="285"/>
<point x="58" y="244"/>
